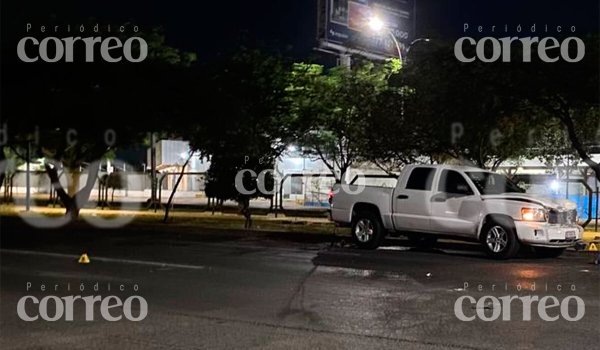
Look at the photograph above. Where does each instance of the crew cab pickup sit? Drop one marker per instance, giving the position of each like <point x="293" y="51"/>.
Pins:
<point x="431" y="201"/>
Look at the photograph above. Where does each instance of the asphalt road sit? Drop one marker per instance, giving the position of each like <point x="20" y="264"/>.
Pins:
<point x="229" y="289"/>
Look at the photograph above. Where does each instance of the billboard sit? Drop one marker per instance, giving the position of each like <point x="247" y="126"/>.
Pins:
<point x="345" y="24"/>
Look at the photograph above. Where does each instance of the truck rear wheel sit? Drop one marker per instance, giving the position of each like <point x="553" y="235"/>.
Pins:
<point x="499" y="239"/>
<point x="367" y="230"/>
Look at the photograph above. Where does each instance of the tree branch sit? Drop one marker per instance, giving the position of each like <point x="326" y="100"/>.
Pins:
<point x="564" y="115"/>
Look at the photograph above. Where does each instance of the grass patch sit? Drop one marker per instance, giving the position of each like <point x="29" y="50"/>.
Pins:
<point x="193" y="219"/>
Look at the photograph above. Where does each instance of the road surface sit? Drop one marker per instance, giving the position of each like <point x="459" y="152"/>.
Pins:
<point x="214" y="289"/>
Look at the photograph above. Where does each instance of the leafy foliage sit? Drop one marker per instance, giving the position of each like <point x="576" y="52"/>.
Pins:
<point x="333" y="111"/>
<point x="244" y="122"/>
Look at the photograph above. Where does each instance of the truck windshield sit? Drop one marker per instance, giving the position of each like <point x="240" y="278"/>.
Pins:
<point x="491" y="183"/>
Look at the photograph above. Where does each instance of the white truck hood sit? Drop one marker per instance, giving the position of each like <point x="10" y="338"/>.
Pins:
<point x="551" y="203"/>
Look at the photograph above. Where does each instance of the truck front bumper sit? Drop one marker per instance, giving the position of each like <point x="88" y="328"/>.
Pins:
<point x="543" y="234"/>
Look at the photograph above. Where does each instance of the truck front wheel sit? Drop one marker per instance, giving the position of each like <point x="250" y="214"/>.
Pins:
<point x="367" y="230"/>
<point x="499" y="239"/>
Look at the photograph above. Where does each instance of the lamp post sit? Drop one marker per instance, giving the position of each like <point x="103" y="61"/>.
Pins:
<point x="418" y="40"/>
<point x="377" y="25"/>
<point x="412" y="43"/>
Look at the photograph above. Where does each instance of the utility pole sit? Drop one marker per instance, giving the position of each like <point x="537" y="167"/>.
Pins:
<point x="345" y="60"/>
<point x="568" y="176"/>
<point x="153" y="179"/>
<point x="597" y="193"/>
<point x="28" y="178"/>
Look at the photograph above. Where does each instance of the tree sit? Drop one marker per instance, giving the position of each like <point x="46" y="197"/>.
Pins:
<point x="75" y="114"/>
<point x="565" y="93"/>
<point x="244" y="121"/>
<point x="333" y="110"/>
<point x="463" y="111"/>
<point x="396" y="136"/>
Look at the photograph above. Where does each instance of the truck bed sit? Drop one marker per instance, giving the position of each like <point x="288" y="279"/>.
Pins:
<point x="376" y="195"/>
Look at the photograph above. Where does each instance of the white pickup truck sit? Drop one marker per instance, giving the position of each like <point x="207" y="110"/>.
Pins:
<point x="431" y="201"/>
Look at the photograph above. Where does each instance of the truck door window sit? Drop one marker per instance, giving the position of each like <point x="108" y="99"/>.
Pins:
<point x="454" y="183"/>
<point x="420" y="179"/>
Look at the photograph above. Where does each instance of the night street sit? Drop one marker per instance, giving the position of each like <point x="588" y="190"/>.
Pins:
<point x="315" y="174"/>
<point x="230" y="289"/>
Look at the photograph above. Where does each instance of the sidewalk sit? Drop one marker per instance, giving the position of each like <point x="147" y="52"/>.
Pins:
<point x="196" y="218"/>
<point x="185" y="199"/>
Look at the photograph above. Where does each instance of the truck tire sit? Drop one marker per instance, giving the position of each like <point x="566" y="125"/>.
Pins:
<point x="367" y="230"/>
<point x="543" y="252"/>
<point x="499" y="238"/>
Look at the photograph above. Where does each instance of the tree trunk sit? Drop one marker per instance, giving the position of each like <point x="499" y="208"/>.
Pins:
<point x="73" y="204"/>
<point x="245" y="211"/>
<point x="497" y="164"/>
<point x="3" y="166"/>
<point x="72" y="210"/>
<point x="73" y="185"/>
<point x="328" y="165"/>
<point x="175" y="187"/>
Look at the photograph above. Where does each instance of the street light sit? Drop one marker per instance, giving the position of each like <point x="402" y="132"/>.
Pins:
<point x="418" y="40"/>
<point x="377" y="25"/>
<point x="412" y="43"/>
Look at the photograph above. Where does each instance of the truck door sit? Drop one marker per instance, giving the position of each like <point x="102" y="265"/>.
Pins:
<point x="454" y="206"/>
<point x="411" y="201"/>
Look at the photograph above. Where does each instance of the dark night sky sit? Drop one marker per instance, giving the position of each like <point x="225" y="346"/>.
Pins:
<point x="289" y="26"/>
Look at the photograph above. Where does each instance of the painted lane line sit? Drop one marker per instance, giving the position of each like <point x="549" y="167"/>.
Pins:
<point x="104" y="259"/>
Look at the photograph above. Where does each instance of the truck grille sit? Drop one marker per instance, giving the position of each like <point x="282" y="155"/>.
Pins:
<point x="562" y="217"/>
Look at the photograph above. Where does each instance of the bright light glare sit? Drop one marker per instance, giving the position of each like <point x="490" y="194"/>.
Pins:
<point x="292" y="148"/>
<point x="376" y="24"/>
<point x="554" y="186"/>
<point x="533" y="214"/>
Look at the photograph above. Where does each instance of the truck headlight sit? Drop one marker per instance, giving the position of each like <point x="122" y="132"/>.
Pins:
<point x="532" y="214"/>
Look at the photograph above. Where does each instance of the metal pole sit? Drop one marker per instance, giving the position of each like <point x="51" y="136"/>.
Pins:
<point x="397" y="45"/>
<point x="410" y="46"/>
<point x="153" y="169"/>
<point x="414" y="18"/>
<point x="159" y="190"/>
<point x="28" y="179"/>
<point x="100" y="193"/>
<point x="345" y="60"/>
<point x="596" y="226"/>
<point x="568" y="175"/>
<point x="276" y="200"/>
